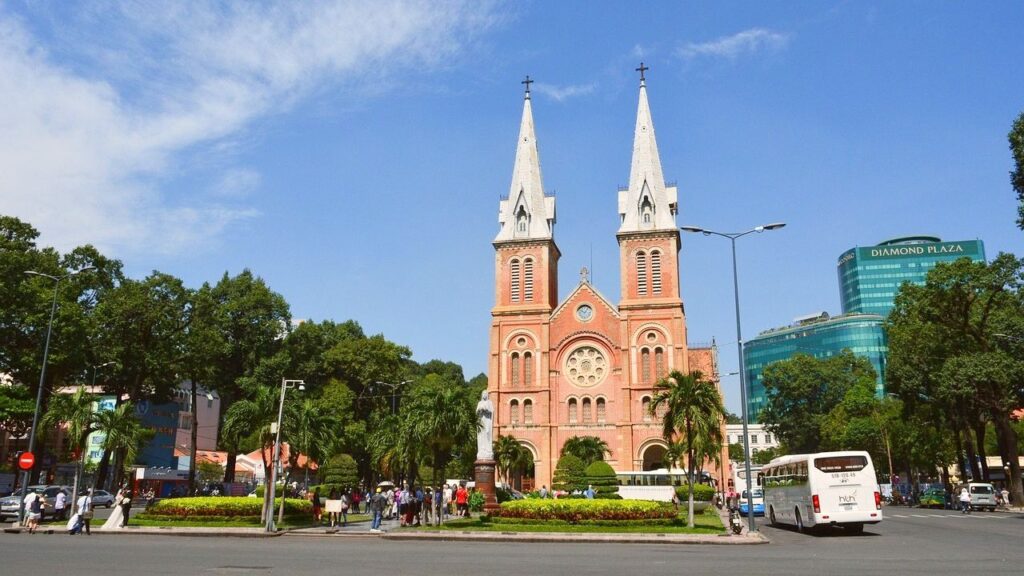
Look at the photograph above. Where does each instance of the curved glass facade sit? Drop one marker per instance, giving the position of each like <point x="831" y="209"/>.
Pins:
<point x="862" y="334"/>
<point x="870" y="277"/>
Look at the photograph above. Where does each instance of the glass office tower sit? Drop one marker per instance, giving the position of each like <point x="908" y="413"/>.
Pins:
<point x="869" y="277"/>
<point x="817" y="335"/>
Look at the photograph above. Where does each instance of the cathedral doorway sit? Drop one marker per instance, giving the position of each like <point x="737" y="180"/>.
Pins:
<point x="654" y="457"/>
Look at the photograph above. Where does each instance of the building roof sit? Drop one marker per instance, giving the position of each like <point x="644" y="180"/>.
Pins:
<point x="526" y="200"/>
<point x="646" y="181"/>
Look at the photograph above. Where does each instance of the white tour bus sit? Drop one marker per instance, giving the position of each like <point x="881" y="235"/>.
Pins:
<point x="828" y="488"/>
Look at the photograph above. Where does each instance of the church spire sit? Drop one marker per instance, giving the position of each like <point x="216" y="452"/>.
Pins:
<point x="648" y="204"/>
<point x="527" y="213"/>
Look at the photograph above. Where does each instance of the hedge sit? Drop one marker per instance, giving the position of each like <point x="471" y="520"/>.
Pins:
<point x="701" y="493"/>
<point x="262" y="489"/>
<point x="531" y="522"/>
<point x="223" y="506"/>
<point x="571" y="510"/>
<point x="602" y="477"/>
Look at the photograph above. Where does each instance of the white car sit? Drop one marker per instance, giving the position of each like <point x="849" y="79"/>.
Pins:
<point x="102" y="498"/>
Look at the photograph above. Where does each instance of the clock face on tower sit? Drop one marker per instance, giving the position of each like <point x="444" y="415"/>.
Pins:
<point x="585" y="313"/>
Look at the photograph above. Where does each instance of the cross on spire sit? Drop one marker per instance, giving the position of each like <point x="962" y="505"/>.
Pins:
<point x="641" y="70"/>
<point x="527" y="82"/>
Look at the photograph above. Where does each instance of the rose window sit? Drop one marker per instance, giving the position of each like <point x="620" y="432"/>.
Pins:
<point x="586" y="366"/>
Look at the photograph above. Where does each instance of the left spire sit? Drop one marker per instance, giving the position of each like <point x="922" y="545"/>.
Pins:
<point x="527" y="213"/>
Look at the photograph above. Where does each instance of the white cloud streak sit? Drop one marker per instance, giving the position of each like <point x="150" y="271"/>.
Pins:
<point x="97" y="116"/>
<point x="731" y="47"/>
<point x="563" y="93"/>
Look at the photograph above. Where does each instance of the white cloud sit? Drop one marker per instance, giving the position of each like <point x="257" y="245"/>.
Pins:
<point x="98" y="115"/>
<point x="745" y="42"/>
<point x="562" y="93"/>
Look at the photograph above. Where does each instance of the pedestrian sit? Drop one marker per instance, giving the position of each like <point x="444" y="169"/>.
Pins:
<point x="85" y="511"/>
<point x="60" y="505"/>
<point x="34" y="506"/>
<point x="543" y="491"/>
<point x="356" y="497"/>
<point x="126" y="507"/>
<point x="965" y="501"/>
<point x="317" y="510"/>
<point x="332" y="505"/>
<point x="1006" y="497"/>
<point x="377" y="504"/>
<point x="446" y="497"/>
<point x="344" y="509"/>
<point x="589" y="492"/>
<point x="419" y="505"/>
<point x="428" y="505"/>
<point x="462" y="501"/>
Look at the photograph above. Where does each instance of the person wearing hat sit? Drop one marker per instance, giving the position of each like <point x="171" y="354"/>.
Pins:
<point x="377" y="503"/>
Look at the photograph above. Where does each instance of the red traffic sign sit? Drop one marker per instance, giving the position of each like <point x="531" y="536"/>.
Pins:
<point x="26" y="461"/>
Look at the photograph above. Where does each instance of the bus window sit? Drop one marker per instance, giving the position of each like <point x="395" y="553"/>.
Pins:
<point x="850" y="463"/>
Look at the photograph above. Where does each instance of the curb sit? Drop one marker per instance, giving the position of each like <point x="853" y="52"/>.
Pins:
<point x="564" y="537"/>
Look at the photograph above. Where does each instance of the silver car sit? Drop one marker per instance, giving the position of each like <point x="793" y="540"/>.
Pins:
<point x="983" y="496"/>
<point x="11" y="505"/>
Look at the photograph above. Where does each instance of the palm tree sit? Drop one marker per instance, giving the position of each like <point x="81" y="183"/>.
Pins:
<point x="254" y="415"/>
<point x="440" y="417"/>
<point x="513" y="458"/>
<point x="693" y="418"/>
<point x="587" y="448"/>
<point x="312" y="431"/>
<point x="75" y="410"/>
<point x="123" y="434"/>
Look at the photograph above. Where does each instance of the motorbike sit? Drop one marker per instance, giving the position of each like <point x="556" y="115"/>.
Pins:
<point x="735" y="521"/>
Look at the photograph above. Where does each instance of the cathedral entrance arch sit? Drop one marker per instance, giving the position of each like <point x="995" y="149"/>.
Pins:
<point x="652" y="455"/>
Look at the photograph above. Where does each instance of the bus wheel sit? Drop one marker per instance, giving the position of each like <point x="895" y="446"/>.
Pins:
<point x="771" y="516"/>
<point x="799" y="521"/>
<point x="857" y="528"/>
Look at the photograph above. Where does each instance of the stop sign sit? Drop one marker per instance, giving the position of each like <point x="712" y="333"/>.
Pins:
<point x="26" y="461"/>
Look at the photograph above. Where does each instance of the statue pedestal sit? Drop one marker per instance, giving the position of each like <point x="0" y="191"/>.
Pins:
<point x="484" y="477"/>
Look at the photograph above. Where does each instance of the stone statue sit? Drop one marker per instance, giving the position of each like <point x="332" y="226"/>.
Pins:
<point x="484" y="440"/>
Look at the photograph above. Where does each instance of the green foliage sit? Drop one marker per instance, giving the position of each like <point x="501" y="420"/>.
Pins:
<point x="342" y="471"/>
<point x="1016" y="138"/>
<point x="223" y="506"/>
<point x="802" y="390"/>
<point x="765" y="456"/>
<point x="587" y="448"/>
<point x="209" y="472"/>
<point x="701" y="493"/>
<point x="476" y="501"/>
<point x="731" y="418"/>
<point x="262" y="489"/>
<point x="736" y="452"/>
<point x="601" y="476"/>
<point x="569" y="474"/>
<point x="576" y="510"/>
<point x="16" y="410"/>
<point x="513" y="459"/>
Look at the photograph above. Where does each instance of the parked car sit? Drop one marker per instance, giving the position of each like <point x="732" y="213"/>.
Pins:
<point x="102" y="498"/>
<point x="933" y="498"/>
<point x="983" y="496"/>
<point x="11" y="505"/>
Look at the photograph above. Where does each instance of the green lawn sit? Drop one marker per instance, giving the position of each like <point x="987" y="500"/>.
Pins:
<point x="703" y="524"/>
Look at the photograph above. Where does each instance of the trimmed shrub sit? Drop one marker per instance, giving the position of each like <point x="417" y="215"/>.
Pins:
<point x="701" y="493"/>
<point x="262" y="489"/>
<point x="601" y="476"/>
<point x="530" y="522"/>
<point x="476" y="501"/>
<point x="341" y="470"/>
<point x="573" y="510"/>
<point x="569" y="474"/>
<point x="223" y="506"/>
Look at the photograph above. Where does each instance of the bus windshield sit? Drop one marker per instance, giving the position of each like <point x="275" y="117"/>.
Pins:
<point x="852" y="463"/>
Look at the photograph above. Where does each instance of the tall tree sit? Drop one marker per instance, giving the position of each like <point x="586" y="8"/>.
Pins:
<point x="439" y="416"/>
<point x="1016" y="138"/>
<point x="123" y="435"/>
<point x="75" y="411"/>
<point x="694" y="416"/>
<point x="955" y="343"/>
<point x="803" y="390"/>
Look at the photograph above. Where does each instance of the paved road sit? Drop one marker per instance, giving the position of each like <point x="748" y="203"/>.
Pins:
<point x="908" y="542"/>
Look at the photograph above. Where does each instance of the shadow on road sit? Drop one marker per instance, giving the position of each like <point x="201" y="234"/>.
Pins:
<point x="827" y="531"/>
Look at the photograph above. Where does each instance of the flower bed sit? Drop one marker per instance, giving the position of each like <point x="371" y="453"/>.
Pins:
<point x="571" y="510"/>
<point x="222" y="507"/>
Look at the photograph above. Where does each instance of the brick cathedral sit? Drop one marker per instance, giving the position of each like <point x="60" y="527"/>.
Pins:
<point x="584" y="366"/>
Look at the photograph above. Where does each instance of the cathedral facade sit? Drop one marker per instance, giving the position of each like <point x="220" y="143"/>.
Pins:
<point x="584" y="366"/>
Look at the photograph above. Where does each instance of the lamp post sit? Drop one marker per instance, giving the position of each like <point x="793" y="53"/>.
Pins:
<point x="272" y="487"/>
<point x="42" y="375"/>
<point x="732" y="236"/>
<point x="393" y="388"/>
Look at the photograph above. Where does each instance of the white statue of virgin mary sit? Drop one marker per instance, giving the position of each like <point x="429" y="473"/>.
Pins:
<point x="484" y="434"/>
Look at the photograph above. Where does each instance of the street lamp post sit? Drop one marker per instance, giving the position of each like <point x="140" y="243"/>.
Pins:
<point x="42" y="376"/>
<point x="272" y="487"/>
<point x="393" y="387"/>
<point x="732" y="236"/>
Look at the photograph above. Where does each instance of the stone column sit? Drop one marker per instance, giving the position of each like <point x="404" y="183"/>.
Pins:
<point x="484" y="477"/>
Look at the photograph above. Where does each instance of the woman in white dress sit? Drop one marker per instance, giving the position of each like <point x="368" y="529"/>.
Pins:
<point x="114" y="522"/>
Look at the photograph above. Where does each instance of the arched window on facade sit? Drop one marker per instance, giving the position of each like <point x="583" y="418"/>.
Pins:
<point x="573" y="414"/>
<point x="587" y="414"/>
<point x="661" y="410"/>
<point x="522" y="221"/>
<point x="645" y="407"/>
<point x="514" y="412"/>
<point x="514" y="365"/>
<point x="527" y="411"/>
<point x="655" y="272"/>
<point x="514" y="280"/>
<point x="641" y="273"/>
<point x="528" y="280"/>
<point x="601" y="412"/>
<point x="659" y="363"/>
<point x="645" y="366"/>
<point x="527" y="368"/>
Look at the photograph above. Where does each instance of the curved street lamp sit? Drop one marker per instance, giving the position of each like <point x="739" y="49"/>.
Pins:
<point x="42" y="375"/>
<point x="732" y="236"/>
<point x="272" y="487"/>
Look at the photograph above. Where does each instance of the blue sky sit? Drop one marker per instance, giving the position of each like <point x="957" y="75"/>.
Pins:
<point x="353" y="154"/>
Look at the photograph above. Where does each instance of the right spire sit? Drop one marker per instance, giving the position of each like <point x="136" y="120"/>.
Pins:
<point x="648" y="204"/>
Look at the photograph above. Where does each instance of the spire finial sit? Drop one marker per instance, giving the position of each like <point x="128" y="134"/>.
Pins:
<point x="641" y="70"/>
<point x="527" y="82"/>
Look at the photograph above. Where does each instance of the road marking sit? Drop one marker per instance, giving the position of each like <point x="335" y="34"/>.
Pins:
<point x="920" y="516"/>
<point x="899" y="516"/>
